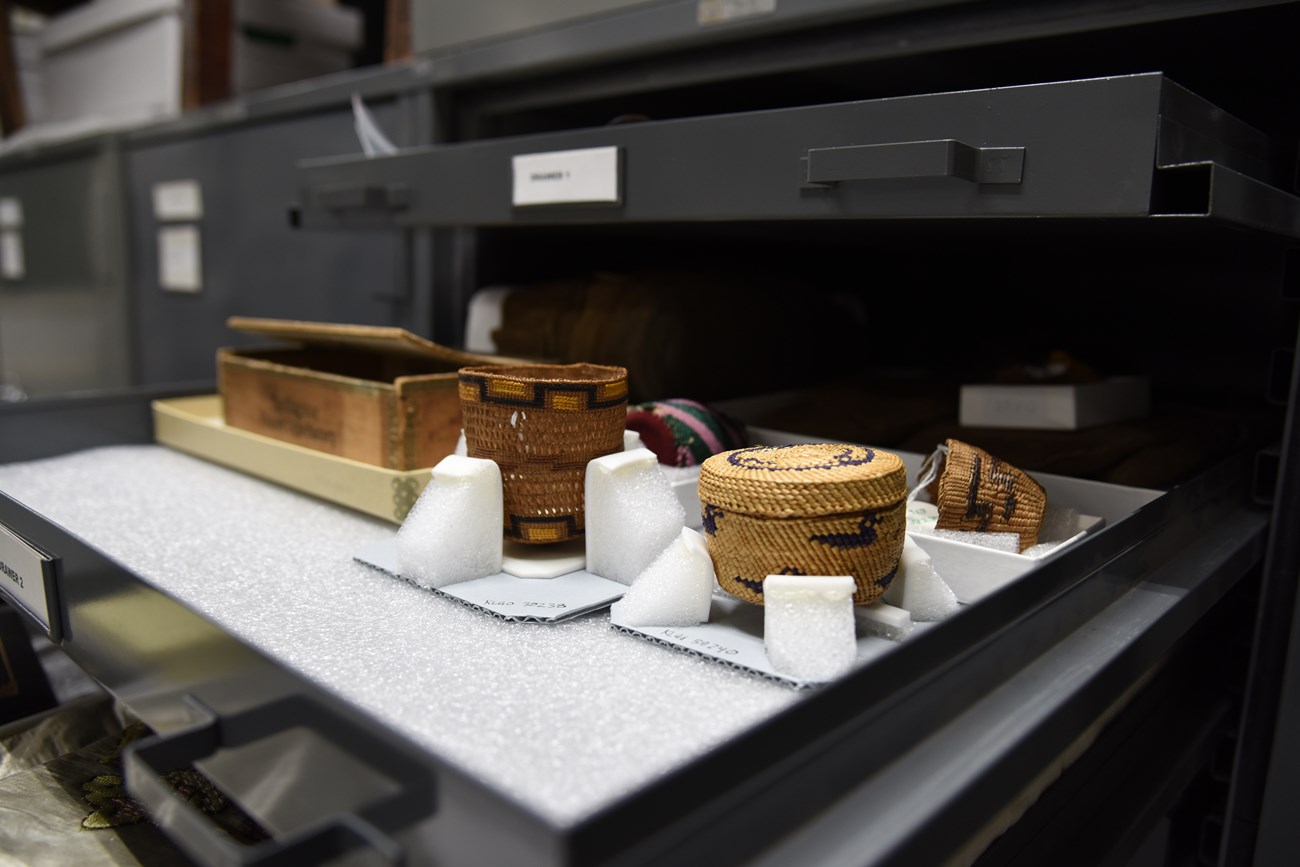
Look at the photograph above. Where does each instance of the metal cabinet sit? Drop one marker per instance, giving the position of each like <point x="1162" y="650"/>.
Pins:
<point x="65" y="321"/>
<point x="1009" y="734"/>
<point x="236" y="248"/>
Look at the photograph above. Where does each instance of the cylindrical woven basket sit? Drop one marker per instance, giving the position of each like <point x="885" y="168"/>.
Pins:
<point x="542" y="424"/>
<point x="820" y="509"/>
<point x="976" y="492"/>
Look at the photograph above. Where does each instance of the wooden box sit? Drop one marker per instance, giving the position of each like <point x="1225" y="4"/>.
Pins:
<point x="374" y="394"/>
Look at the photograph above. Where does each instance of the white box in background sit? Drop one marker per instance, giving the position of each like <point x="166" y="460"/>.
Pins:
<point x="122" y="61"/>
<point x="281" y="41"/>
<point x="1055" y="407"/>
<point x="116" y="59"/>
<point x="26" y="36"/>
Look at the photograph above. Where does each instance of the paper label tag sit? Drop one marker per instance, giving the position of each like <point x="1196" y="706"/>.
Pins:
<point x="12" y="264"/>
<point x="587" y="176"/>
<point x="24" y="570"/>
<point x="180" y="263"/>
<point x="177" y="200"/>
<point x="734" y="637"/>
<point x="11" y="213"/>
<point x="721" y="11"/>
<point x="539" y="600"/>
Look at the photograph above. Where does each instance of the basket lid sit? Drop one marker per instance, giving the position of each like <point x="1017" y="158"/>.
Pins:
<point x="803" y="480"/>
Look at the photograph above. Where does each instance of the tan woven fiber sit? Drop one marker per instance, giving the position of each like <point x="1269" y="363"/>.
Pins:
<point x="976" y="492"/>
<point x="542" y="424"/>
<point x="821" y="509"/>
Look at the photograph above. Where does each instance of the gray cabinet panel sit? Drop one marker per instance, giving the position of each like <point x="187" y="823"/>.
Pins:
<point x="253" y="261"/>
<point x="64" y="324"/>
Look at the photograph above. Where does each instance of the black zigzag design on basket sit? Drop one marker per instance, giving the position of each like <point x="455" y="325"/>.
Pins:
<point x="546" y="395"/>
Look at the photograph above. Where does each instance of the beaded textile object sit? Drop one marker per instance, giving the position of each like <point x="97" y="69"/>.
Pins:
<point x="684" y="433"/>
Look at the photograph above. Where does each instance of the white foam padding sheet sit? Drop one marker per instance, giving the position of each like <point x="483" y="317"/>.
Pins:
<point x="565" y="718"/>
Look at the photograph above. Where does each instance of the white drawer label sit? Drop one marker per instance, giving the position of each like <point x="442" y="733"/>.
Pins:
<point x="722" y="11"/>
<point x="22" y="575"/>
<point x="11" y="213"/>
<point x="12" y="265"/>
<point x="180" y="259"/>
<point x="590" y="176"/>
<point x="177" y="200"/>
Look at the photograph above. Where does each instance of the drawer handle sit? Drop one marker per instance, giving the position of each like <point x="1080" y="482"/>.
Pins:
<point x="145" y="763"/>
<point x="941" y="158"/>
<point x="347" y="197"/>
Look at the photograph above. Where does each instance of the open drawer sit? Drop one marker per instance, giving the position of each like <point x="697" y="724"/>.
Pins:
<point x="228" y="614"/>
<point x="1126" y="146"/>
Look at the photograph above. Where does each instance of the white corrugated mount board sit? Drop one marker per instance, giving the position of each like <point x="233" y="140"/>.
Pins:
<point x="509" y="597"/>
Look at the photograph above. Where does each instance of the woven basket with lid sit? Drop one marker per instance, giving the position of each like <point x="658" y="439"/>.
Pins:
<point x="542" y="423"/>
<point x="819" y="509"/>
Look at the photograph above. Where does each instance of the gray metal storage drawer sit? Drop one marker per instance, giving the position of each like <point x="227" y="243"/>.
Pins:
<point x="1088" y="148"/>
<point x="923" y="746"/>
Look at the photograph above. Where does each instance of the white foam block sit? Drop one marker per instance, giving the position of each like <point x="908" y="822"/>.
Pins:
<point x="675" y="590"/>
<point x="917" y="588"/>
<point x="809" y="629"/>
<point x="543" y="561"/>
<point x="632" y="441"/>
<point x="1009" y="542"/>
<point x="685" y="482"/>
<point x="462" y="448"/>
<point x="632" y="514"/>
<point x="882" y="619"/>
<point x="453" y="532"/>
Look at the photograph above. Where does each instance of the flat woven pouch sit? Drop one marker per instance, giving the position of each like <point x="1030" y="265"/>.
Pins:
<point x="819" y="509"/>
<point x="542" y="424"/>
<point x="976" y="492"/>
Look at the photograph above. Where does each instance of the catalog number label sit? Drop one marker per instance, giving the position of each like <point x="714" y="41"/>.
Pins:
<point x="23" y="573"/>
<point x="585" y="176"/>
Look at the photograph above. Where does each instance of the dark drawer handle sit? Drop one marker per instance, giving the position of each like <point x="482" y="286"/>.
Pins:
<point x="345" y="197"/>
<point x="941" y="158"/>
<point x="145" y="763"/>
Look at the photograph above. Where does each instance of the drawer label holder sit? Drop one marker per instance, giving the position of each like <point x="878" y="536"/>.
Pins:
<point x="588" y="176"/>
<point x="28" y="579"/>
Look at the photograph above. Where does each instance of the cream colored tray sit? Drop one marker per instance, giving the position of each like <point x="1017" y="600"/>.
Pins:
<point x="195" y="425"/>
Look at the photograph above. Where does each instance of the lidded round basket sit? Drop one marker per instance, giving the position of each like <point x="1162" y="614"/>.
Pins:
<point x="819" y="509"/>
<point x="542" y="424"/>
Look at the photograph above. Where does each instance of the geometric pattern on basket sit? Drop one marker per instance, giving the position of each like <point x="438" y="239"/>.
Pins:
<point x="861" y="538"/>
<point x="556" y="528"/>
<point x="563" y="397"/>
<point x="709" y="518"/>
<point x="760" y="458"/>
<point x="811" y="509"/>
<point x="542" y="424"/>
<point x="811" y="479"/>
<point x="977" y="492"/>
<point x="746" y="549"/>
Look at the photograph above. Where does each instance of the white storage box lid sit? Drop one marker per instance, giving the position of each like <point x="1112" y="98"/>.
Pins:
<point x="98" y="18"/>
